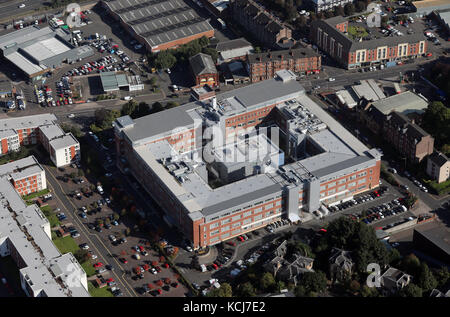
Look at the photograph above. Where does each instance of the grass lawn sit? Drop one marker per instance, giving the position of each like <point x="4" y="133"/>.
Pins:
<point x="357" y="31"/>
<point x="51" y="216"/>
<point x="98" y="292"/>
<point x="88" y="268"/>
<point x="36" y="194"/>
<point x="66" y="245"/>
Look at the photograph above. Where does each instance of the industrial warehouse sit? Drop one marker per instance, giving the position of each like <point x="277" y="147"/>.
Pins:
<point x="159" y="24"/>
<point x="36" y="51"/>
<point x="251" y="177"/>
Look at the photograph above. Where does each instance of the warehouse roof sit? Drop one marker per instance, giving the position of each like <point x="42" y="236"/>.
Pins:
<point x="27" y="121"/>
<point x="430" y="3"/>
<point x="438" y="234"/>
<point x="405" y="102"/>
<point x="159" y="21"/>
<point x="112" y="81"/>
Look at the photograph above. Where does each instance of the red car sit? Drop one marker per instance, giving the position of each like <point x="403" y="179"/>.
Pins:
<point x="141" y="248"/>
<point x="231" y="243"/>
<point x="109" y="280"/>
<point x="429" y="54"/>
<point x="214" y="265"/>
<point x="57" y="103"/>
<point x="98" y="264"/>
<point x="159" y="291"/>
<point x="158" y="269"/>
<point x="123" y="260"/>
<point x="166" y="265"/>
<point x="175" y="285"/>
<point x="240" y="238"/>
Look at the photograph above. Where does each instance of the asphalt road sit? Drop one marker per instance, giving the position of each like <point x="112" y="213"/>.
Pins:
<point x="11" y="8"/>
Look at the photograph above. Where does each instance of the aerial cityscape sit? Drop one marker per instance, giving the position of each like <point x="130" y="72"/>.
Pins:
<point x="195" y="149"/>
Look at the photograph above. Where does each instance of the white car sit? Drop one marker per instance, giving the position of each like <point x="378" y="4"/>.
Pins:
<point x="331" y="79"/>
<point x="153" y="270"/>
<point x="168" y="71"/>
<point x="22" y="6"/>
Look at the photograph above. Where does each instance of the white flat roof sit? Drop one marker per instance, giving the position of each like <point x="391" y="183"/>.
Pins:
<point x="24" y="64"/>
<point x="46" y="48"/>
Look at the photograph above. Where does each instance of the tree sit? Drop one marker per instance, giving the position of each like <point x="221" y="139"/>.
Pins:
<point x="300" y="291"/>
<point x="349" y="9"/>
<point x="82" y="255"/>
<point x="442" y="276"/>
<point x="339" y="11"/>
<point x="246" y="290"/>
<point x="165" y="59"/>
<point x="153" y="81"/>
<point x="436" y="120"/>
<point x="223" y="291"/>
<point x="141" y="110"/>
<point x="354" y="286"/>
<point x="426" y="280"/>
<point x="203" y="41"/>
<point x="280" y="286"/>
<point x="360" y="6"/>
<point x="410" y="290"/>
<point x="157" y="107"/>
<point x="172" y="104"/>
<point x="267" y="282"/>
<point x="394" y="257"/>
<point x="257" y="50"/>
<point x="314" y="281"/>
<point x="80" y="173"/>
<point x="369" y="291"/>
<point x="129" y="108"/>
<point x="411" y="265"/>
<point x="211" y="52"/>
<point x="116" y="216"/>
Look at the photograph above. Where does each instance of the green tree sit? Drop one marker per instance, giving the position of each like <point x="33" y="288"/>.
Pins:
<point x="369" y="291"/>
<point x="172" y="104"/>
<point x="203" y="41"/>
<point x="426" y="280"/>
<point x="82" y="255"/>
<point x="349" y="9"/>
<point x="339" y="11"/>
<point x="129" y="108"/>
<point x="165" y="59"/>
<point x="411" y="265"/>
<point x="157" y="107"/>
<point x="280" y="286"/>
<point x="436" y="121"/>
<point x="300" y="291"/>
<point x="153" y="81"/>
<point x="410" y="290"/>
<point x="116" y="216"/>
<point x="223" y="291"/>
<point x="394" y="257"/>
<point x="267" y="282"/>
<point x="314" y="281"/>
<point x="246" y="290"/>
<point x="442" y="276"/>
<point x="360" y="6"/>
<point x="211" y="52"/>
<point x="80" y="173"/>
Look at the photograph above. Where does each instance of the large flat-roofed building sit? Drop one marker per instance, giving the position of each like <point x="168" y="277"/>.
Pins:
<point x="63" y="148"/>
<point x="263" y="66"/>
<point x="26" y="175"/>
<point x="25" y="236"/>
<point x="332" y="37"/>
<point x="190" y="182"/>
<point x="159" y="24"/>
<point x="433" y="239"/>
<point x="36" y="51"/>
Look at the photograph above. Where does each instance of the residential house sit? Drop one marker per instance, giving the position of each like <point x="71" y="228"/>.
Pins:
<point x="341" y="264"/>
<point x="394" y="280"/>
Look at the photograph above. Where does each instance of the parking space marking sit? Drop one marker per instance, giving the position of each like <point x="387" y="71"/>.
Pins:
<point x="87" y="234"/>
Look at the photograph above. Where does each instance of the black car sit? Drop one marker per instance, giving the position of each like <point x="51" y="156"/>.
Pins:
<point x="117" y="293"/>
<point x="98" y="229"/>
<point x="91" y="226"/>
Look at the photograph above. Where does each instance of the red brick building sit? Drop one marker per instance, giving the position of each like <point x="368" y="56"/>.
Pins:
<point x="203" y="70"/>
<point x="263" y="66"/>
<point x="331" y="37"/>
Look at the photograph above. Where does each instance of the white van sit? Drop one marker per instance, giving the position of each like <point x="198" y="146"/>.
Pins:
<point x="203" y="268"/>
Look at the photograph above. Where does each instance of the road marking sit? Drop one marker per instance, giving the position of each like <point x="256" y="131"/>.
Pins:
<point x="88" y="234"/>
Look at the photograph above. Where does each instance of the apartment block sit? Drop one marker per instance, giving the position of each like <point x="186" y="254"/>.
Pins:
<point x="264" y="26"/>
<point x="407" y="137"/>
<point x="218" y="170"/>
<point x="25" y="236"/>
<point x="26" y="175"/>
<point x="63" y="148"/>
<point x="438" y="167"/>
<point x="263" y="66"/>
<point x="331" y="36"/>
